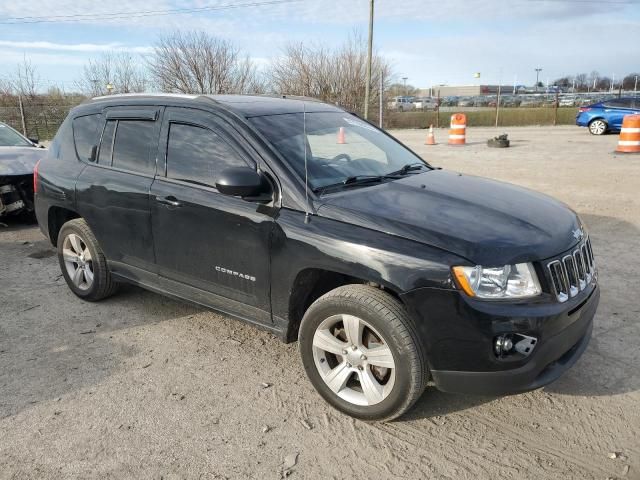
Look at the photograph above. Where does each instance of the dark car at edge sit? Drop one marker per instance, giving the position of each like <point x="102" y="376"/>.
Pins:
<point x="303" y="219"/>
<point x="18" y="158"/>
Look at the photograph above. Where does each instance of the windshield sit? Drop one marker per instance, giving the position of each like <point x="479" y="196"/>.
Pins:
<point x="10" y="138"/>
<point x="340" y="147"/>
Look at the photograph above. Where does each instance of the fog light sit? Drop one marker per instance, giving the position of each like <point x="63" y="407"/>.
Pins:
<point x="514" y="344"/>
<point x="502" y="345"/>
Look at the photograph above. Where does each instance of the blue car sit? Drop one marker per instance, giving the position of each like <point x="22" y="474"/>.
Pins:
<point x="606" y="116"/>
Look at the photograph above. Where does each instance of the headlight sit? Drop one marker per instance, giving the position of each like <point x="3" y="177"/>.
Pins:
<point x="510" y="281"/>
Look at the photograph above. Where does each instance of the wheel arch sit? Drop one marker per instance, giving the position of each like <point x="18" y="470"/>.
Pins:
<point x="311" y="283"/>
<point x="56" y="218"/>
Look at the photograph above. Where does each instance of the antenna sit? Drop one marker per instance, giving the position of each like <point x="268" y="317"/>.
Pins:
<point x="307" y="215"/>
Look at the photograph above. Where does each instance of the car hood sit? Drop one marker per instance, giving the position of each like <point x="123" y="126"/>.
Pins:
<point x="485" y="221"/>
<point x="19" y="160"/>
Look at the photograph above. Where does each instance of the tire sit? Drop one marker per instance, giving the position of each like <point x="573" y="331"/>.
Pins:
<point x="598" y="127"/>
<point x="388" y="335"/>
<point x="93" y="281"/>
<point x="400" y="109"/>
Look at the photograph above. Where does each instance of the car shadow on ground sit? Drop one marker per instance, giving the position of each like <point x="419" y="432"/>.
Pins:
<point x="434" y="403"/>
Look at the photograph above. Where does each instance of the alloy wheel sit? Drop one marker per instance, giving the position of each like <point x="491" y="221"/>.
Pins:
<point x="597" y="127"/>
<point x="78" y="261"/>
<point x="354" y="360"/>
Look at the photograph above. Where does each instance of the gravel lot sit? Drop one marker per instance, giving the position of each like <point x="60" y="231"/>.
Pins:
<point x="140" y="386"/>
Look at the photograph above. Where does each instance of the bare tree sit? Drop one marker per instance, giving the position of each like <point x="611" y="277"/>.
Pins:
<point x="6" y="88"/>
<point x="199" y="63"/>
<point x="629" y="81"/>
<point x="336" y="76"/>
<point x="582" y="81"/>
<point x="120" y="70"/>
<point x="25" y="79"/>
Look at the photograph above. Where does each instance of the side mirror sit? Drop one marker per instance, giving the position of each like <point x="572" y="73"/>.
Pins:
<point x="242" y="182"/>
<point x="34" y="140"/>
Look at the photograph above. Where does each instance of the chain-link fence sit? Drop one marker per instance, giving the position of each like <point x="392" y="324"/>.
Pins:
<point x="37" y="117"/>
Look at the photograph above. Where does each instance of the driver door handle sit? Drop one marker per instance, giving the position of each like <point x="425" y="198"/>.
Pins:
<point x="169" y="200"/>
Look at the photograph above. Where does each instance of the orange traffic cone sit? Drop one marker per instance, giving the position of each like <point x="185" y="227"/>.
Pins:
<point x="431" y="140"/>
<point x="341" y="139"/>
<point x="629" y="141"/>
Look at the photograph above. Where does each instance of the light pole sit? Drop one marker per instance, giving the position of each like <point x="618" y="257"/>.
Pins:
<point x="367" y="88"/>
<point x="635" y="86"/>
<point x="538" y="70"/>
<point x="404" y="80"/>
<point x="613" y="81"/>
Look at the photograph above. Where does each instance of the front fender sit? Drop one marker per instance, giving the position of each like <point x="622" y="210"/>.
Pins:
<point x="395" y="263"/>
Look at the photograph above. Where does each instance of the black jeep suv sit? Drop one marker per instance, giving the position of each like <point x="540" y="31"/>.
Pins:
<point x="301" y="218"/>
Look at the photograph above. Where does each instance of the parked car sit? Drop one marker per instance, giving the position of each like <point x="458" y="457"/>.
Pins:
<point x="480" y="101"/>
<point x="465" y="102"/>
<point x="450" y="101"/>
<point x="567" y="101"/>
<point x="402" y="104"/>
<point x="606" y="116"/>
<point x="531" y="101"/>
<point x="425" y="103"/>
<point x="300" y="218"/>
<point x="509" y="100"/>
<point x="18" y="157"/>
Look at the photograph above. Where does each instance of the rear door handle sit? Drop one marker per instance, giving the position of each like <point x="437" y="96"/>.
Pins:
<point x="170" y="200"/>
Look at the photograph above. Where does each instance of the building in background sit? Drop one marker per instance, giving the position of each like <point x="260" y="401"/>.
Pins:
<point x="463" y="90"/>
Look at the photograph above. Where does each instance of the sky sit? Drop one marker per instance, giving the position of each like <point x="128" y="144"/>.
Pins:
<point x="429" y="42"/>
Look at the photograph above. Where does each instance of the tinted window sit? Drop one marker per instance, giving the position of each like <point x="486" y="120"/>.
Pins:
<point x="196" y="154"/>
<point x="85" y="134"/>
<point x="619" y="103"/>
<point x="132" y="146"/>
<point x="106" y="147"/>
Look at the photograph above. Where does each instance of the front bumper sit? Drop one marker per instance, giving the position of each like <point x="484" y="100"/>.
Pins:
<point x="458" y="334"/>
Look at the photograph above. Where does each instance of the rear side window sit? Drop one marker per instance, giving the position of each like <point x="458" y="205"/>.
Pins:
<point x="128" y="144"/>
<point x="132" y="146"/>
<point x="85" y="134"/>
<point x="198" y="155"/>
<point x="619" y="103"/>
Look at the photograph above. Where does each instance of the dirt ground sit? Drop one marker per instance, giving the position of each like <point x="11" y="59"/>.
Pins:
<point x="140" y="386"/>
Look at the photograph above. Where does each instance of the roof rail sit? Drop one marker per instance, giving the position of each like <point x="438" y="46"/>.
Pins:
<point x="156" y="94"/>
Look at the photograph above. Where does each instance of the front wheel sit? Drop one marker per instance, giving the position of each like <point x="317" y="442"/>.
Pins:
<point x="361" y="352"/>
<point x="597" y="127"/>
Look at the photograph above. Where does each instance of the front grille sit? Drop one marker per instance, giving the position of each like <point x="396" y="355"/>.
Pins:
<point x="572" y="273"/>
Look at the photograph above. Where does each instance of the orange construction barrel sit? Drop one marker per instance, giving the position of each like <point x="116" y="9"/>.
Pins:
<point x="629" y="141"/>
<point x="457" y="129"/>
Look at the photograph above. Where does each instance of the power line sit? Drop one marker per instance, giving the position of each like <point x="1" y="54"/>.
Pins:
<point x="81" y="17"/>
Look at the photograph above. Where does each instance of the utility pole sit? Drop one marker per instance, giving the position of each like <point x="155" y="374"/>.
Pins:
<point x="635" y="86"/>
<point x="381" y="95"/>
<point x="538" y="70"/>
<point x="24" y="126"/>
<point x="367" y="87"/>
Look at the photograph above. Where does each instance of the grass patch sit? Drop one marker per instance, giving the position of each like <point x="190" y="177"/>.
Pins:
<point x="509" y="117"/>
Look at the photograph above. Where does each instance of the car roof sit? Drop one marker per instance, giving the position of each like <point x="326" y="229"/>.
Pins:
<point x="243" y="105"/>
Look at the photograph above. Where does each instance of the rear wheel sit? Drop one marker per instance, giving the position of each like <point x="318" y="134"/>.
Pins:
<point x="83" y="264"/>
<point x="597" y="127"/>
<point x="362" y="354"/>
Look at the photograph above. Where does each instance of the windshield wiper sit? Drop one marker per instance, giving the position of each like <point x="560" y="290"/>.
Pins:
<point x="408" y="167"/>
<point x="354" y="181"/>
